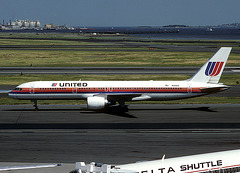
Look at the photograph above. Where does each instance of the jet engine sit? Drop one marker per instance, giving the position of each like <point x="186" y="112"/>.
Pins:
<point x="96" y="103"/>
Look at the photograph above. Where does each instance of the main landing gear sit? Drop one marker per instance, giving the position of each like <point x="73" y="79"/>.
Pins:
<point x="122" y="106"/>
<point x="35" y="105"/>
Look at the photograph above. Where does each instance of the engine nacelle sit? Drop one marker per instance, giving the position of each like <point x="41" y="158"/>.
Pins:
<point x="96" y="103"/>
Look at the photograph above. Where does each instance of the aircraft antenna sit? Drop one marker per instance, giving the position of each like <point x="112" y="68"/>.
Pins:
<point x="163" y="157"/>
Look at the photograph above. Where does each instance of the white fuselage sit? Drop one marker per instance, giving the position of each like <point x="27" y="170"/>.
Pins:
<point x="219" y="162"/>
<point x="141" y="90"/>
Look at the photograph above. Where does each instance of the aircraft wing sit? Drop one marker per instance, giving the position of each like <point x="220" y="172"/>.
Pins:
<point x="119" y="96"/>
<point x="9" y="168"/>
<point x="123" y="171"/>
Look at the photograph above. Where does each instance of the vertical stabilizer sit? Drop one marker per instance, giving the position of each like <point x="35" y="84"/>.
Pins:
<point x="212" y="70"/>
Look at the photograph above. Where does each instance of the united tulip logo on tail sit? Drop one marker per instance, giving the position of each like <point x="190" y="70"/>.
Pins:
<point x="213" y="68"/>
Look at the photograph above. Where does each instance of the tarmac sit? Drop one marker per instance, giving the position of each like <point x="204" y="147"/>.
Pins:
<point x="139" y="115"/>
<point x="70" y="133"/>
<point x="123" y="45"/>
<point x="26" y="147"/>
<point x="108" y="146"/>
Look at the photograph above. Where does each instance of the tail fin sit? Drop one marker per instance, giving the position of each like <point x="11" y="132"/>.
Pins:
<point x="212" y="70"/>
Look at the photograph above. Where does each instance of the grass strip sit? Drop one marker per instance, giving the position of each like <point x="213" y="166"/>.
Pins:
<point x="74" y="58"/>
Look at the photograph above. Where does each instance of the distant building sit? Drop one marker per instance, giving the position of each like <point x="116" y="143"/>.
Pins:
<point x="47" y="26"/>
<point x="21" y="24"/>
<point x="29" y="24"/>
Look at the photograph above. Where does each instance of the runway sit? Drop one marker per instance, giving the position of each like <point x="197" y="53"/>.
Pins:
<point x="104" y="146"/>
<point x="129" y="46"/>
<point x="113" y="147"/>
<point x="138" y="117"/>
<point x="70" y="133"/>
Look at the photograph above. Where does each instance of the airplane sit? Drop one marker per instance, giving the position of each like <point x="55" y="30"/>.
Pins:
<point x="217" y="162"/>
<point x="101" y="94"/>
<point x="11" y="168"/>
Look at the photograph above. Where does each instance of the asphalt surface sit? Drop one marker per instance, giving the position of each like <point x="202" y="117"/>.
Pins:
<point x="110" y="146"/>
<point x="70" y="133"/>
<point x="107" y="146"/>
<point x="139" y="115"/>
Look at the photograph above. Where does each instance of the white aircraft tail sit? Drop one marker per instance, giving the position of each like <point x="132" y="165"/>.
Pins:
<point x="212" y="70"/>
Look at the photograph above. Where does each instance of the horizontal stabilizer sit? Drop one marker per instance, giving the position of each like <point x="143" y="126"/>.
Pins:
<point x="214" y="89"/>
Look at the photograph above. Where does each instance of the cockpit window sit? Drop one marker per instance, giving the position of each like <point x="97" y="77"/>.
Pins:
<point x="18" y="89"/>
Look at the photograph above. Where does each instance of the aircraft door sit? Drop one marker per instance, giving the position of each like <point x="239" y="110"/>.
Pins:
<point x="189" y="89"/>
<point x="108" y="89"/>
<point x="74" y="89"/>
<point x="31" y="90"/>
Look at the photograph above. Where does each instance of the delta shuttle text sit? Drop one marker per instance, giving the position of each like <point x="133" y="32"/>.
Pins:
<point x="218" y="162"/>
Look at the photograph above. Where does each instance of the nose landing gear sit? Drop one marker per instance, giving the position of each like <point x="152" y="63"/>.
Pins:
<point x="35" y="105"/>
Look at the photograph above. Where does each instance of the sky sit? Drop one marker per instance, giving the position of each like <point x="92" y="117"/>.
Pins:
<point x="122" y="12"/>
